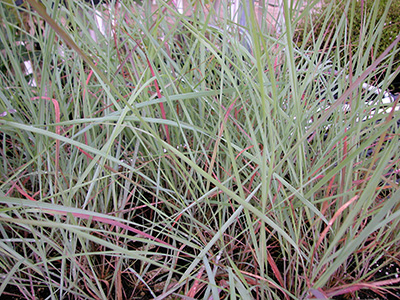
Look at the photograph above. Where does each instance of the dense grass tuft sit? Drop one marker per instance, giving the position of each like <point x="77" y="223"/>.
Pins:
<point x="181" y="155"/>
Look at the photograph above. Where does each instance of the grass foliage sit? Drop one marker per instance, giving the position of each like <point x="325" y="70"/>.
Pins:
<point x="361" y="17"/>
<point x="181" y="157"/>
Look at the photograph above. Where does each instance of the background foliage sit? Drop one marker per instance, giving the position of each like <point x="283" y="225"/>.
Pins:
<point x="361" y="17"/>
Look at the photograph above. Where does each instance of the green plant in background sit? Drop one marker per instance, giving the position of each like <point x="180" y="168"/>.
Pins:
<point x="163" y="156"/>
<point x="361" y="18"/>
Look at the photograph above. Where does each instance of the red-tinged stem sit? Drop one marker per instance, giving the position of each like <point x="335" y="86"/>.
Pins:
<point x="330" y="223"/>
<point x="88" y="216"/>
<point x="110" y="222"/>
<point x="163" y="114"/>
<point x="193" y="290"/>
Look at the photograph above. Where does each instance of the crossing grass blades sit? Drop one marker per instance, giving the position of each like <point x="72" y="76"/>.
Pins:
<point x="166" y="157"/>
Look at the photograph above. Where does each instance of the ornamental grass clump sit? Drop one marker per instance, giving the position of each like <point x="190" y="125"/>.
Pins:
<point x="164" y="155"/>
